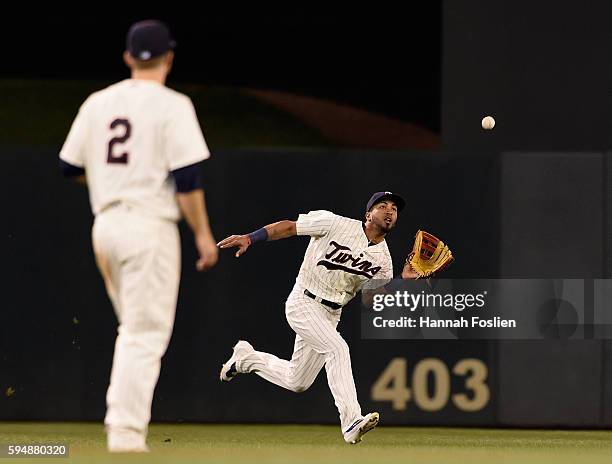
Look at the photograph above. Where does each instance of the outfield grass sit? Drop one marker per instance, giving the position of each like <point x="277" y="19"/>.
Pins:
<point x="322" y="444"/>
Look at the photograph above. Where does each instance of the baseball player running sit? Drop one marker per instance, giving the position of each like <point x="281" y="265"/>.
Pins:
<point x="141" y="147"/>
<point x="342" y="256"/>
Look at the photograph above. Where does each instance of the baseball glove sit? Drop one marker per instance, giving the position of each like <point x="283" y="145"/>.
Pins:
<point x="429" y="255"/>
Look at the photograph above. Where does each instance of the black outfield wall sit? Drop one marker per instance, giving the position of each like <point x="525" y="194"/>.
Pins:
<point x="57" y="326"/>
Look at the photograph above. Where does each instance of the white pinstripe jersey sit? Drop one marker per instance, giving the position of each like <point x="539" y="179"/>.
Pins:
<point x="128" y="137"/>
<point x="338" y="261"/>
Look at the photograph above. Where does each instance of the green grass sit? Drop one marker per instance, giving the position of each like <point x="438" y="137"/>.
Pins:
<point x="34" y="112"/>
<point x="322" y="444"/>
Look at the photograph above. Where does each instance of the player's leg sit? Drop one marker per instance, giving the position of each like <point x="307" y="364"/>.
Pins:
<point x="147" y="286"/>
<point x="103" y="245"/>
<point x="317" y="343"/>
<point x="317" y="327"/>
<point x="296" y="375"/>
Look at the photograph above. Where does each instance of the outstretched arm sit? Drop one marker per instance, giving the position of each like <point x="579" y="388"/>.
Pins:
<point x="276" y="231"/>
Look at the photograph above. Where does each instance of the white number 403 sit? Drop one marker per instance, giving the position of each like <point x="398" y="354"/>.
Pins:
<point x="392" y="385"/>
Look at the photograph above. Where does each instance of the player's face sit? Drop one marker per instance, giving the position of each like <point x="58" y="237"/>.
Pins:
<point x="384" y="215"/>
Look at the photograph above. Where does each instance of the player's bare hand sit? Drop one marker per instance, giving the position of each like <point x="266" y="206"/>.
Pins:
<point x="241" y="241"/>
<point x="408" y="272"/>
<point x="209" y="254"/>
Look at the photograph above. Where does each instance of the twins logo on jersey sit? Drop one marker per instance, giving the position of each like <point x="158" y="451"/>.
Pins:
<point x="340" y="258"/>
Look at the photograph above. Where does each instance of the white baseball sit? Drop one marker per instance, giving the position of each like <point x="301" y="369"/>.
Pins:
<point x="488" y="122"/>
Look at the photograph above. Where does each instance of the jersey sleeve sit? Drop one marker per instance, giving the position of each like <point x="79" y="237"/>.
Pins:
<point x="315" y="223"/>
<point x="73" y="151"/>
<point x="184" y="140"/>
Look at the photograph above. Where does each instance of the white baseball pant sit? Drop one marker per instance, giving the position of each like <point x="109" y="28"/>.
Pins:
<point x="139" y="258"/>
<point x="317" y="344"/>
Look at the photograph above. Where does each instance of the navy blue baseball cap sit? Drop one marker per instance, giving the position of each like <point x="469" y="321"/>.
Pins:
<point x="149" y="39"/>
<point x="382" y="196"/>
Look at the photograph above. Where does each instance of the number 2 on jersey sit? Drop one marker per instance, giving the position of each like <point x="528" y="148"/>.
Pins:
<point x="123" y="157"/>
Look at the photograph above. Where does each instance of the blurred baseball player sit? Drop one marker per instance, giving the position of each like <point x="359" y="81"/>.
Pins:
<point x="343" y="255"/>
<point x="140" y="146"/>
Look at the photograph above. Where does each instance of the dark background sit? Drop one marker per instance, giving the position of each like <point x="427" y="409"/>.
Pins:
<point x="529" y="199"/>
<point x="385" y="61"/>
<point x="57" y="331"/>
<point x="542" y="69"/>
